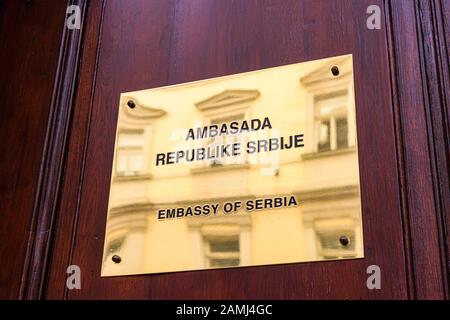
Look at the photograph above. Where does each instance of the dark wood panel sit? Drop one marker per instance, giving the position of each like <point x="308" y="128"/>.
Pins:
<point x="445" y="16"/>
<point x="436" y="52"/>
<point x="146" y="44"/>
<point x="30" y="33"/>
<point x="421" y="216"/>
<point x="443" y="33"/>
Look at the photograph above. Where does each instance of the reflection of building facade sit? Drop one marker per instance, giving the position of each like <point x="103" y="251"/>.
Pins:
<point x="323" y="176"/>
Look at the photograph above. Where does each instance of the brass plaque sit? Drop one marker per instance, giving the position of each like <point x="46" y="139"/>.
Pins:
<point x="250" y="169"/>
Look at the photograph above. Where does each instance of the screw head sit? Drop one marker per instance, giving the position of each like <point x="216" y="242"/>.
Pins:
<point x="116" y="258"/>
<point x="131" y="104"/>
<point x="335" y="71"/>
<point x="344" y="240"/>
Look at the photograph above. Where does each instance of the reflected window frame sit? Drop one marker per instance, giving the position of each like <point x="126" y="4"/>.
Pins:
<point x="337" y="103"/>
<point x="225" y="257"/>
<point x="224" y="107"/>
<point x="126" y="152"/>
<point x="320" y="84"/>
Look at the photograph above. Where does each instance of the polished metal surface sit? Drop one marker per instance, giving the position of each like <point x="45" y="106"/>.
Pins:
<point x="257" y="168"/>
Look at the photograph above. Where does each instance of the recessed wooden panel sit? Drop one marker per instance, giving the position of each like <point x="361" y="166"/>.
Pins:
<point x="147" y="44"/>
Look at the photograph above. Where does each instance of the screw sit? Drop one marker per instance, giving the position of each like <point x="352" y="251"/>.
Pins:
<point x="344" y="240"/>
<point x="131" y="104"/>
<point x="335" y="71"/>
<point x="116" y="258"/>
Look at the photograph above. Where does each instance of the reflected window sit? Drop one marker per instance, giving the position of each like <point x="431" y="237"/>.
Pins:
<point x="130" y="153"/>
<point x="225" y="140"/>
<point x="330" y="247"/>
<point x="223" y="252"/>
<point x="331" y="121"/>
<point x="225" y="107"/>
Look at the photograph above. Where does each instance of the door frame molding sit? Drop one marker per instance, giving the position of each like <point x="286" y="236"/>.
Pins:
<point x="412" y="93"/>
<point x="53" y="162"/>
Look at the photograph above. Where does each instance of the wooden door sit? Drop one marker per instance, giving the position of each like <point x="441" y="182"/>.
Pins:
<point x="138" y="44"/>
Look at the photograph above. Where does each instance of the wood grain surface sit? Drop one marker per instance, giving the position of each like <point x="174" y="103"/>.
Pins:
<point x="30" y="38"/>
